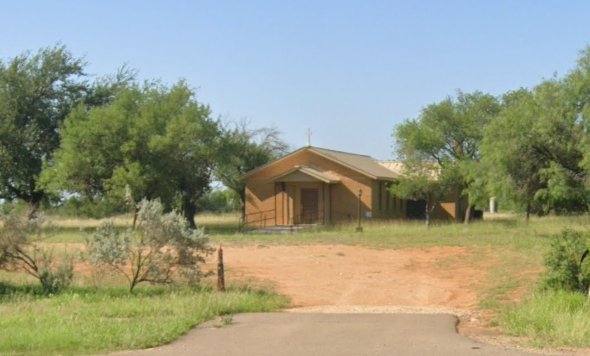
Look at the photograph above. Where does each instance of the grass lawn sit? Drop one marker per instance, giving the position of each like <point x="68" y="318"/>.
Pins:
<point x="88" y="320"/>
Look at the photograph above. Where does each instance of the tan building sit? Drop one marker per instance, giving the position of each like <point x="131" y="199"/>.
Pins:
<point x="319" y="186"/>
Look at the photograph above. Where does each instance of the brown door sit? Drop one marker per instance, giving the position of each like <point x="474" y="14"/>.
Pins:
<point x="309" y="206"/>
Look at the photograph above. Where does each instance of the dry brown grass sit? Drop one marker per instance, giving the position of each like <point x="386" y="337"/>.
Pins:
<point x="127" y="219"/>
<point x="57" y="221"/>
<point x="218" y="219"/>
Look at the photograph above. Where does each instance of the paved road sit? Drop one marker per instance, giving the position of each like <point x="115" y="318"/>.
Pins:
<point x="328" y="334"/>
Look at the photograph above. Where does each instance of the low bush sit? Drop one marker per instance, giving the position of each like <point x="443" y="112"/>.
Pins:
<point x="160" y="248"/>
<point x="565" y="269"/>
<point x="20" y="252"/>
<point x="558" y="313"/>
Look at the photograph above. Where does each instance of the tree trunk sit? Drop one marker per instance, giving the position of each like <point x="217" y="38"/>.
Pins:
<point x="34" y="203"/>
<point x="427" y="212"/>
<point x="467" y="217"/>
<point x="189" y="209"/>
<point x="32" y="208"/>
<point x="243" y="203"/>
<point x="134" y="216"/>
<point x="528" y="212"/>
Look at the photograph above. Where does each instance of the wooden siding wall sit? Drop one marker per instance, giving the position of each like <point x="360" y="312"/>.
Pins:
<point x="387" y="206"/>
<point x="264" y="207"/>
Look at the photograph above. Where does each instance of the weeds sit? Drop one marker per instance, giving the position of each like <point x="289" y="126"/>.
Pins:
<point x="550" y="318"/>
<point x="558" y="313"/>
<point x="224" y="320"/>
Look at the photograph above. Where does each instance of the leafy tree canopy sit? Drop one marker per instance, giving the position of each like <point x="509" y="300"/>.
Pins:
<point x="242" y="150"/>
<point x="535" y="148"/>
<point x="150" y="142"/>
<point x="37" y="92"/>
<point x="447" y="135"/>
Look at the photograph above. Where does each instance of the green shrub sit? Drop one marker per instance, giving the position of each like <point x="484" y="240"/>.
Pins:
<point x="19" y="252"/>
<point x="55" y="278"/>
<point x="7" y="207"/>
<point x="564" y="269"/>
<point x="160" y="248"/>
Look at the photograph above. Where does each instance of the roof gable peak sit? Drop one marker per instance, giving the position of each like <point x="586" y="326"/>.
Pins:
<point x="363" y="164"/>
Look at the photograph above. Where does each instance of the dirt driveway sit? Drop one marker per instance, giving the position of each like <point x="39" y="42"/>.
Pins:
<point x="331" y="276"/>
<point x="354" y="279"/>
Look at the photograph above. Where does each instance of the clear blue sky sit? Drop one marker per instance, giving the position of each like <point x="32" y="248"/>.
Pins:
<point x="349" y="70"/>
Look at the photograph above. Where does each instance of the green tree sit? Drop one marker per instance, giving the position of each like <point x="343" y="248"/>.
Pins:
<point x="150" y="142"/>
<point x="578" y="84"/>
<point x="534" y="147"/>
<point x="509" y="146"/>
<point x="448" y="135"/>
<point x="220" y="200"/>
<point x="37" y="92"/>
<point x="161" y="248"/>
<point x="242" y="150"/>
<point x="561" y="130"/>
<point x="421" y="181"/>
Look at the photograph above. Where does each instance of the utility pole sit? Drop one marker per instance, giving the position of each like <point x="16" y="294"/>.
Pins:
<point x="308" y="137"/>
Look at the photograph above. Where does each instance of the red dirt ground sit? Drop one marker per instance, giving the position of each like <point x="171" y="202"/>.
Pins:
<point x="353" y="279"/>
<point x="350" y="278"/>
<point x="328" y="275"/>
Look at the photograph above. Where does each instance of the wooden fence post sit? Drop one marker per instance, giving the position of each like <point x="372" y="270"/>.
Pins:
<point x="220" y="271"/>
<point x="359" y="227"/>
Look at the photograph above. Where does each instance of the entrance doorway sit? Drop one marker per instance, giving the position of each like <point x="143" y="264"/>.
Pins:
<point x="309" y="206"/>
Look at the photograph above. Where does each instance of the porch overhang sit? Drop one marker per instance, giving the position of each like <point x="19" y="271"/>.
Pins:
<point x="305" y="174"/>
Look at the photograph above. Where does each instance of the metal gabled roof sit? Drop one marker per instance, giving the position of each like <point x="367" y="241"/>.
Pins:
<point x="366" y="165"/>
<point x="363" y="164"/>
